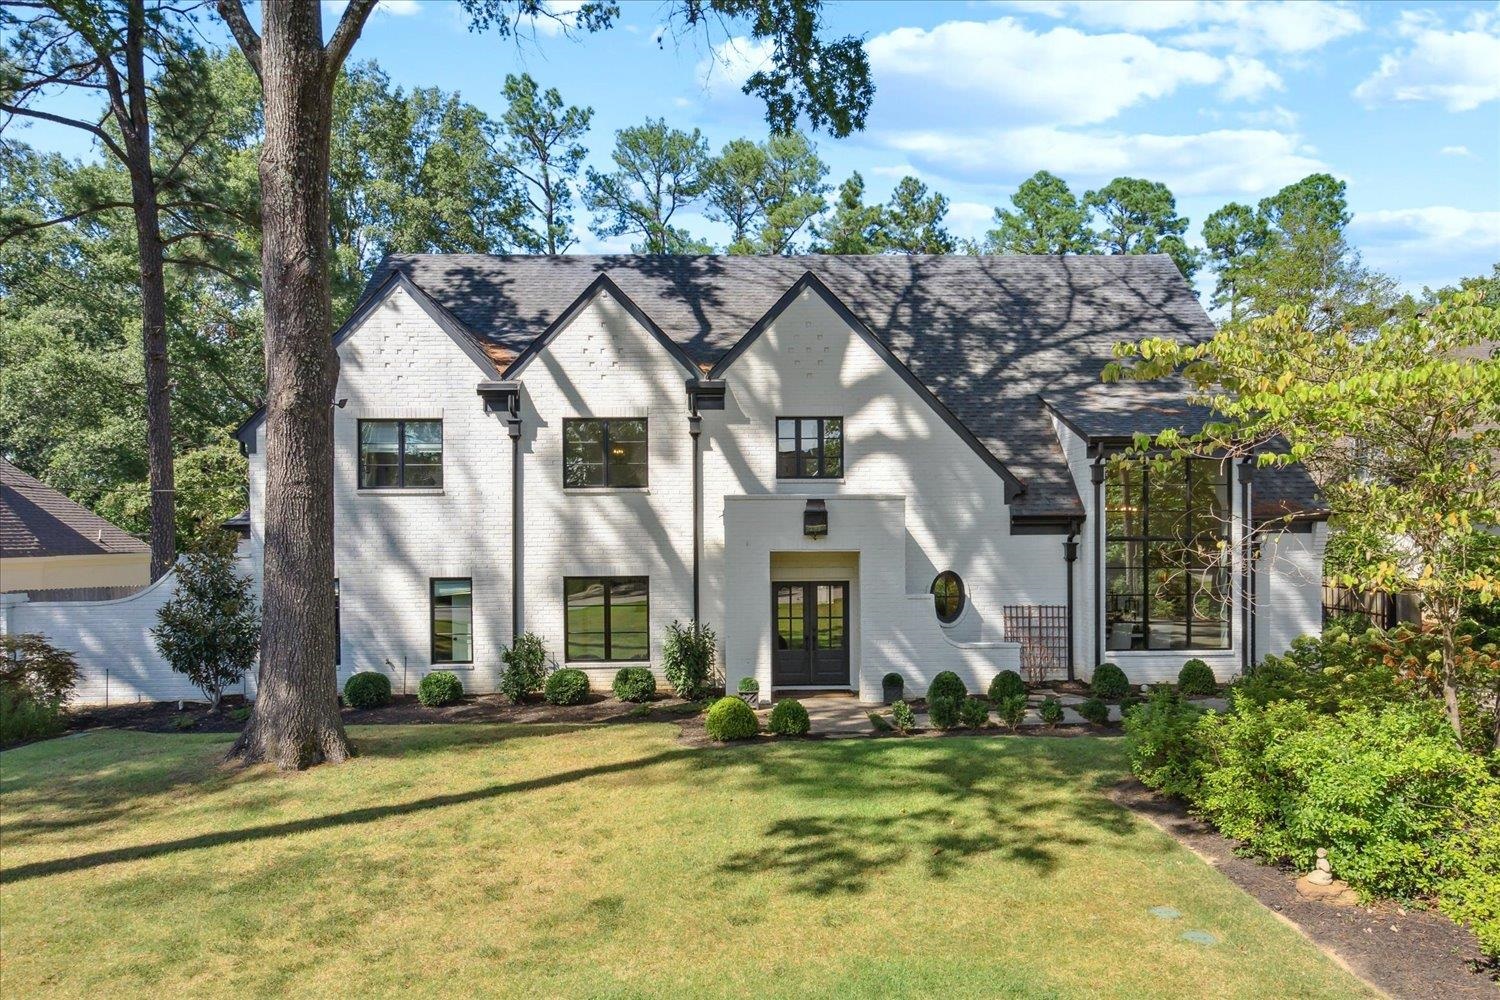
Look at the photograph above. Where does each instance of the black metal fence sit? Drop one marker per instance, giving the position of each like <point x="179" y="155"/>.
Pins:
<point x="1384" y="610"/>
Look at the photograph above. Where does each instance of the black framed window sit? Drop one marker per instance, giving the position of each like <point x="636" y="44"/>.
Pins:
<point x="604" y="452"/>
<point x="400" y="454"/>
<point x="1166" y="578"/>
<point x="338" y="628"/>
<point x="452" y="600"/>
<point x="607" y="618"/>
<point x="948" y="596"/>
<point x="809" y="447"/>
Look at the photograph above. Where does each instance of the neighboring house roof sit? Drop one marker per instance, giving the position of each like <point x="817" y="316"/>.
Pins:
<point x="986" y="335"/>
<point x="36" y="520"/>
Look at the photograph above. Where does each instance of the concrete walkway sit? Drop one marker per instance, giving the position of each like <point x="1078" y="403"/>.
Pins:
<point x="837" y="714"/>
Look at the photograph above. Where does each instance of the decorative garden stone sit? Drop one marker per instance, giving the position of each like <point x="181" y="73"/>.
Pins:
<point x="1323" y="873"/>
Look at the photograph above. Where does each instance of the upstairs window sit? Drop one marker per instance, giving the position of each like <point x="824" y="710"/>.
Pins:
<point x="809" y="447"/>
<point x="400" y="454"/>
<point x="604" y="453"/>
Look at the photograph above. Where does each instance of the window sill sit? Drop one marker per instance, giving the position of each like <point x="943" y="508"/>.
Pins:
<point x="805" y="480"/>
<point x="451" y="666"/>
<point x="400" y="491"/>
<point x="606" y="664"/>
<point x="605" y="490"/>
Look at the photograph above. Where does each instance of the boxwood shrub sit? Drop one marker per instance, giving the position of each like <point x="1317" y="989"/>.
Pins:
<point x="567" y="686"/>
<point x="441" y="687"/>
<point x="1109" y="682"/>
<point x="1094" y="711"/>
<point x="367" y="689"/>
<point x="974" y="713"/>
<point x="1196" y="677"/>
<point x="634" y="684"/>
<point x="1051" y="711"/>
<point x="942" y="710"/>
<point x="1006" y="684"/>
<point x="749" y="685"/>
<point x="947" y="685"/>
<point x="789" y="718"/>
<point x="1011" y="710"/>
<point x="902" y="717"/>
<point x="731" y="719"/>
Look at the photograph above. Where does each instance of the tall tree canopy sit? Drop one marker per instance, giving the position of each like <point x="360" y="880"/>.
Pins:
<point x="766" y="193"/>
<point x="913" y="221"/>
<point x="1045" y="217"/>
<point x="853" y="227"/>
<point x="659" y="171"/>
<point x="541" y="141"/>
<point x="1235" y="236"/>
<point x="1140" y="216"/>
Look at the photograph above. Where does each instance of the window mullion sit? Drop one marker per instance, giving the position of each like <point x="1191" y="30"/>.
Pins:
<point x="604" y="444"/>
<point x="822" y="447"/>
<point x="401" y="453"/>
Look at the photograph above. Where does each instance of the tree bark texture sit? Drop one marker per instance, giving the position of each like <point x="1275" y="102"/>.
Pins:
<point x="296" y="722"/>
<point x="135" y="128"/>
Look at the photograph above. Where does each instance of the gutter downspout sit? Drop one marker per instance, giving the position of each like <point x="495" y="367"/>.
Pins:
<point x="695" y="428"/>
<point x="1256" y="540"/>
<point x="1247" y="611"/>
<point x="1096" y="476"/>
<point x="1070" y="555"/>
<point x="513" y="424"/>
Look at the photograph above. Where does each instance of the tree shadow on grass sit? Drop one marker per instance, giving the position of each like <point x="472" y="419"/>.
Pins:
<point x="954" y="801"/>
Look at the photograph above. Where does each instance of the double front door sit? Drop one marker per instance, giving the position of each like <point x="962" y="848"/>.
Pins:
<point x="810" y="628"/>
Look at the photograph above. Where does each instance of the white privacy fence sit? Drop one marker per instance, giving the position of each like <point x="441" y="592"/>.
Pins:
<point x="112" y="643"/>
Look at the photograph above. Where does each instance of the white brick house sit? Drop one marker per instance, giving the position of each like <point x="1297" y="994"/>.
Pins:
<point x="798" y="452"/>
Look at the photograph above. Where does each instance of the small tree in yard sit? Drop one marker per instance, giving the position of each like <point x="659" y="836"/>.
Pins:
<point x="1400" y="429"/>
<point x="687" y="658"/>
<point x="525" y="667"/>
<point x="210" y="630"/>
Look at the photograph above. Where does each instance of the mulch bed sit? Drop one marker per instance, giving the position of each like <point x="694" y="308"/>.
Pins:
<point x="164" y="716"/>
<point x="1405" y="953"/>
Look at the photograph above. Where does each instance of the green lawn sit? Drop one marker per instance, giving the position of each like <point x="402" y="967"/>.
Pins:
<point x="558" y="861"/>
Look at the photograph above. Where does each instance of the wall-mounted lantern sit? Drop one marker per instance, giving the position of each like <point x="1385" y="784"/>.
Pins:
<point x="815" y="519"/>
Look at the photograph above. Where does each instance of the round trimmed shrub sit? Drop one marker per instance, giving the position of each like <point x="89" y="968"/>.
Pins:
<point x="441" y="687"/>
<point x="634" y="684"/>
<point x="1052" y="711"/>
<point x="902" y="717"/>
<point x="1007" y="684"/>
<point x="568" y="686"/>
<point x="1109" y="682"/>
<point x="1094" y="711"/>
<point x="1196" y="677"/>
<point x="367" y="689"/>
<point x="789" y="718"/>
<point x="749" y="685"/>
<point x="974" y="713"/>
<point x="943" y="711"/>
<point x="947" y="685"/>
<point x="731" y="719"/>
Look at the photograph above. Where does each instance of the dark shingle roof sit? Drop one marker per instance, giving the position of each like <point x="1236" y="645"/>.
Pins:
<point x="987" y="335"/>
<point x="36" y="520"/>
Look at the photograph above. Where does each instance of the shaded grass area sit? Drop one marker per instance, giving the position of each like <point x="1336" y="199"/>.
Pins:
<point x="612" y="861"/>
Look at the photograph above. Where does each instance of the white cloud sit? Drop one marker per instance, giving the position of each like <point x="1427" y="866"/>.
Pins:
<point x="1276" y="117"/>
<point x="1461" y="69"/>
<point x="731" y="63"/>
<point x="1248" y="79"/>
<point x="1223" y="162"/>
<point x="400" y="8"/>
<point x="1061" y="76"/>
<point x="1432" y="244"/>
<point x="970" y="218"/>
<point x="1291" y="26"/>
<point x="1455" y="151"/>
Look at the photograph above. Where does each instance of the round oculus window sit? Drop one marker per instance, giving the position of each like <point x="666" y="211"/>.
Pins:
<point x="948" y="596"/>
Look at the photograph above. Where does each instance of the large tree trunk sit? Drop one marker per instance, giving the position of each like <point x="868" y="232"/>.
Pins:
<point x="296" y="719"/>
<point x="135" y="128"/>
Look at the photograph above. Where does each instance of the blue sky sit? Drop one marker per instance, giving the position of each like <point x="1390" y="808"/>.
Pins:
<point x="1222" y="101"/>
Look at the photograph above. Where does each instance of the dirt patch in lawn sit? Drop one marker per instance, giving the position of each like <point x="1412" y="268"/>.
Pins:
<point x="1405" y="953"/>
<point x="195" y="717"/>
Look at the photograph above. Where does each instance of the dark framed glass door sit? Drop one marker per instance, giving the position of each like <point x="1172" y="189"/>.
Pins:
<point x="810" y="634"/>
